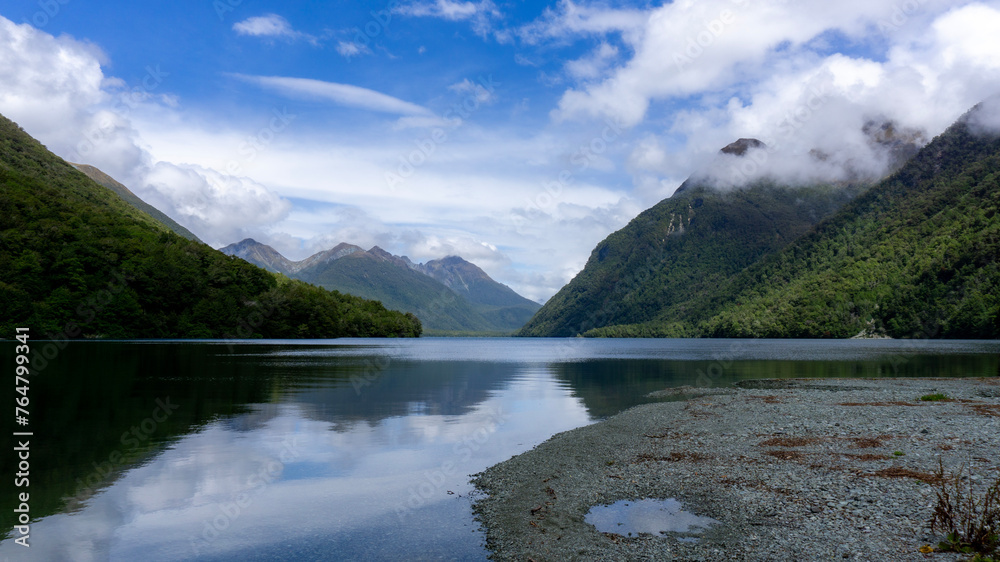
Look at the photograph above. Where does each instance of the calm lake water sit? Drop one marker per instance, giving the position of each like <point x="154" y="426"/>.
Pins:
<point x="346" y="449"/>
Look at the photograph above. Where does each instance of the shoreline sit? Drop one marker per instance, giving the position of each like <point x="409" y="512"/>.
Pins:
<point x="793" y="469"/>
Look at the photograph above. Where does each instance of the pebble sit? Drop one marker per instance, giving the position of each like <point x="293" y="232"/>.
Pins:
<point x="822" y="502"/>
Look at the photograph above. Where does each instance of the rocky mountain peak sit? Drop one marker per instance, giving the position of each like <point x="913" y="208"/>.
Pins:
<point x="741" y="146"/>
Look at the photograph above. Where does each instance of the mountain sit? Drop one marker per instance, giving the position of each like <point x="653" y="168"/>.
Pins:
<point x="77" y="260"/>
<point x="682" y="249"/>
<point x="133" y="199"/>
<point x="913" y="256"/>
<point x="447" y="295"/>
<point x="260" y="255"/>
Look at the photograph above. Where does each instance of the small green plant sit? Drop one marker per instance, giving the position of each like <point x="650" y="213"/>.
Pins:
<point x="898" y="453"/>
<point x="972" y="524"/>
<point x="936" y="397"/>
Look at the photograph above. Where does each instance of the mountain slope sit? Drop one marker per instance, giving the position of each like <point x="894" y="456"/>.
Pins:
<point x="364" y="275"/>
<point x="916" y="256"/>
<point x="913" y="256"/>
<point x="679" y="250"/>
<point x="78" y="261"/>
<point x="133" y="199"/>
<point x="498" y="303"/>
<point x="448" y="295"/>
<point x="260" y="255"/>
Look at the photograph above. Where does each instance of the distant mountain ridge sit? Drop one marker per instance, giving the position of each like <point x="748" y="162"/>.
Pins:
<point x="448" y="295"/>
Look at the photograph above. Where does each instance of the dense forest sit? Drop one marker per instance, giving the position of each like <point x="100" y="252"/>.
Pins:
<point x="914" y="256"/>
<point x="78" y="261"/>
<point x="680" y="251"/>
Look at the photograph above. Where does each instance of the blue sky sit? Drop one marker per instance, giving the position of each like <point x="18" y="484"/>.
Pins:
<point x="515" y="134"/>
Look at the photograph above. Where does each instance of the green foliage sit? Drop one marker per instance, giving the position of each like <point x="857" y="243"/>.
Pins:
<point x="972" y="523"/>
<point x="77" y="261"/>
<point x="669" y="262"/>
<point x="448" y="295"/>
<point x="400" y="288"/>
<point x="913" y="257"/>
<point x="934" y="397"/>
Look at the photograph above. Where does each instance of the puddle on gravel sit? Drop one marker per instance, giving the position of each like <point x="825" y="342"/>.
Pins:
<point x="656" y="517"/>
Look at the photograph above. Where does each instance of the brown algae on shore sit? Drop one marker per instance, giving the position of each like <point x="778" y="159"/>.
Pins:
<point x="811" y="474"/>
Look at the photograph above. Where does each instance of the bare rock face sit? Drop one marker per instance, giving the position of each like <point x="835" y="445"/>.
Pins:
<point x="741" y="146"/>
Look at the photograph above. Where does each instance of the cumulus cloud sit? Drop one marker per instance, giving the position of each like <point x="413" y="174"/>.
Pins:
<point x="56" y="90"/>
<point x="49" y="84"/>
<point x="689" y="48"/>
<point x="224" y="208"/>
<point x="570" y="19"/>
<point x="765" y="70"/>
<point x="594" y="65"/>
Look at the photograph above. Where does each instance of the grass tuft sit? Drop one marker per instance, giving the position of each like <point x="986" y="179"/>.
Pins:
<point x="972" y="523"/>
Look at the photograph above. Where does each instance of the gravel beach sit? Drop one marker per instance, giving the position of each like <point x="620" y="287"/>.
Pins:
<point x="802" y="469"/>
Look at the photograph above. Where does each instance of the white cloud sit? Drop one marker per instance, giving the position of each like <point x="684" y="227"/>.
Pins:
<point x="985" y="118"/>
<point x="342" y="94"/>
<point x="593" y="65"/>
<point x="82" y="115"/>
<point x="48" y="84"/>
<point x="754" y="69"/>
<point x="223" y="208"/>
<point x="482" y="14"/>
<point x="771" y="71"/>
<point x="270" y="26"/>
<point x="350" y="49"/>
<point x="571" y="19"/>
<point x="474" y="90"/>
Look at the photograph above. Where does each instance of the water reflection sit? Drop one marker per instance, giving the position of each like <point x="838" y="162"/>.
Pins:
<point x="650" y="516"/>
<point x="297" y="450"/>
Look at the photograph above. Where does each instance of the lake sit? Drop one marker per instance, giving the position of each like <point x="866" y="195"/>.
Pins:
<point x="346" y="449"/>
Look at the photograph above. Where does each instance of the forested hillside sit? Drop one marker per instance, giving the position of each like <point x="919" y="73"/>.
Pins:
<point x="78" y="261"/>
<point x="678" y="252"/>
<point x="914" y="256"/>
